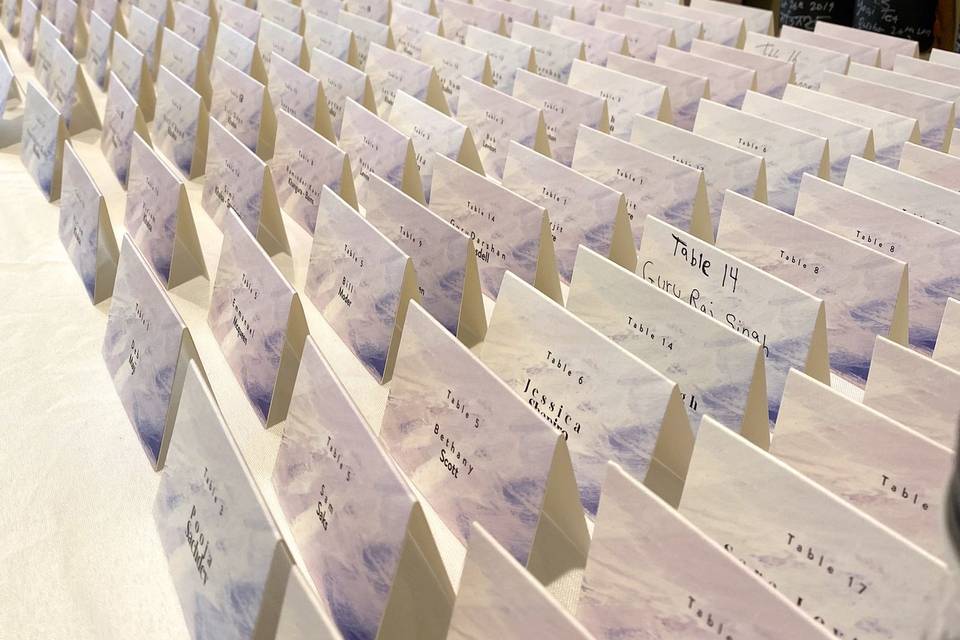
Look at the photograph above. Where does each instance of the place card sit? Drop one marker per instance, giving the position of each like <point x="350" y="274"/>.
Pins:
<point x="864" y="292"/>
<point x="216" y="531"/>
<point x="498" y="598"/>
<point x="129" y="66"/>
<point x="375" y="147"/>
<point x="457" y="16"/>
<point x="686" y="30"/>
<point x="237" y="179"/>
<point x="928" y="248"/>
<point x="365" y="32"/>
<point x="159" y="10"/>
<point x="147" y="349"/>
<point x="874" y="463"/>
<point x="942" y="56"/>
<point x="684" y="89"/>
<point x="933" y="166"/>
<point x="180" y="58"/>
<point x="759" y="20"/>
<point x="844" y="138"/>
<point x="642" y="37"/>
<point x="442" y="407"/>
<point x="453" y="63"/>
<point x="239" y="51"/>
<point x="85" y="230"/>
<point x="276" y="41"/>
<point x="9" y="86"/>
<point x="926" y="400"/>
<point x="496" y="119"/>
<point x="579" y="392"/>
<point x="547" y="10"/>
<point x="240" y="18"/>
<point x="890" y="130"/>
<point x="810" y="61"/>
<point x="890" y="46"/>
<point x="67" y="88"/>
<point x="29" y="15"/>
<point x="304" y="162"/>
<point x="41" y="144"/>
<point x="788" y="323"/>
<point x="728" y="83"/>
<point x="861" y="53"/>
<point x="637" y="530"/>
<point x="341" y="81"/>
<point x="65" y="19"/>
<point x="433" y="132"/>
<point x="626" y="95"/>
<point x="906" y="82"/>
<point x="47" y="38"/>
<point x="720" y="371"/>
<point x="121" y="119"/>
<point x="506" y="56"/>
<point x="512" y="12"/>
<point x="286" y="14"/>
<point x="302" y="614"/>
<point x="947" y="351"/>
<point x="789" y="153"/>
<point x="192" y="25"/>
<point x="935" y="116"/>
<point x="299" y="94"/>
<point x="257" y="319"/>
<point x="326" y="9"/>
<point x="597" y="42"/>
<point x="854" y="580"/>
<point x="510" y="232"/>
<point x="773" y="75"/>
<point x="206" y="7"/>
<point x="238" y="103"/>
<point x="144" y="32"/>
<point x="641" y="175"/>
<point x="99" y="46"/>
<point x="180" y="127"/>
<point x="390" y="71"/>
<point x="331" y="38"/>
<point x="408" y="26"/>
<point x="8" y="15"/>
<point x="920" y="68"/>
<point x="565" y="107"/>
<point x="720" y="28"/>
<point x="555" y="53"/>
<point x="724" y="167"/>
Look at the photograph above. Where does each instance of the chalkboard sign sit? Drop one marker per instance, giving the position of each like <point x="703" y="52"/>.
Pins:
<point x="803" y="14"/>
<point x="912" y="19"/>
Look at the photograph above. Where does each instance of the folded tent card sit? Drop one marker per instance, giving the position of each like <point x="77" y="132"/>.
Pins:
<point x="858" y="52"/>
<point x="725" y="29"/>
<point x="238" y="102"/>
<point x="940" y="168"/>
<point x="332" y="476"/>
<point x="181" y="58"/>
<point x="122" y="122"/>
<point x="809" y="61"/>
<point x="686" y="30"/>
<point x="181" y="125"/>
<point x="729" y="83"/>
<point x="98" y="50"/>
<point x="890" y="46"/>
<point x="42" y="141"/>
<point x="947" y="351"/>
<point x="773" y="75"/>
<point x="685" y="89"/>
<point x="129" y="65"/>
<point x="452" y="62"/>
<point x="329" y="37"/>
<point x="507" y="57"/>
<point x="390" y="72"/>
<point x="408" y="26"/>
<point x="340" y="82"/>
<point x="642" y="37"/>
<point x="555" y="53"/>
<point x="66" y="86"/>
<point x="598" y="42"/>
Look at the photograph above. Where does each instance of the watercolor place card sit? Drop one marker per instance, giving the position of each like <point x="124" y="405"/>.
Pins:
<point x="926" y="400"/>
<point x="330" y="37"/>
<point x="720" y="28"/>
<point x="755" y="19"/>
<point x="685" y="30"/>
<point x="645" y="577"/>
<point x="192" y="25"/>
<point x="942" y="56"/>
<point x="948" y="340"/>
<point x="453" y="63"/>
<point x="340" y="81"/>
<point x="641" y="176"/>
<point x="642" y="37"/>
<point x="390" y="72"/>
<point x="890" y="130"/>
<point x="180" y="127"/>
<point x="332" y="476"/>
<point x="129" y="66"/>
<point x="935" y="116"/>
<point x="510" y="232"/>
<point x="437" y="425"/>
<point x="582" y="210"/>
<point x="788" y="323"/>
<point x="408" y="26"/>
<point x="365" y="32"/>
<point x="144" y="33"/>
<point x="457" y="16"/>
<point x="237" y="180"/>
<point x="8" y="15"/>
<point x="809" y="61"/>
<point x="159" y="10"/>
<point x="302" y="614"/>
<point x="547" y="10"/>
<point x="728" y="83"/>
<point x="240" y="18"/>
<point x="256" y="317"/>
<point x="303" y="163"/>
<point x="498" y="598"/>
<point x="238" y="102"/>
<point x="684" y="89"/>
<point x="158" y="217"/>
<point x="906" y="82"/>
<point x="920" y="68"/>
<point x="276" y="41"/>
<point x="67" y="88"/>
<point x="376" y="10"/>
<point x="65" y="19"/>
<point x="326" y="9"/>
<point x="206" y="7"/>
<point x="286" y="14"/>
<point x="789" y="153"/>
<point x="432" y="132"/>
<point x="377" y="148"/>
<point x="890" y="46"/>
<point x="931" y="165"/>
<point x="876" y="464"/>
<point x="29" y="16"/>
<point x="146" y="348"/>
<point x="597" y="42"/>
<point x="512" y="12"/>
<point x="443" y="256"/>
<point x="864" y="291"/>
<point x="773" y="75"/>
<point x="580" y="392"/>
<point x="506" y="56"/>
<point x="555" y="53"/>
<point x="929" y="249"/>
<point x="180" y="58"/>
<point x="121" y="120"/>
<point x="216" y="531"/>
<point x="853" y="583"/>
<point x="675" y="338"/>
<point x="565" y="107"/>
<point x="41" y="144"/>
<point x="626" y="95"/>
<point x="299" y="94"/>
<point x="844" y="138"/>
<point x="724" y="167"/>
<point x="85" y="231"/>
<point x="861" y="53"/>
<point x="47" y="37"/>
<point x="99" y="46"/>
<point x="361" y="282"/>
<point x="496" y="119"/>
<point x="239" y="51"/>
